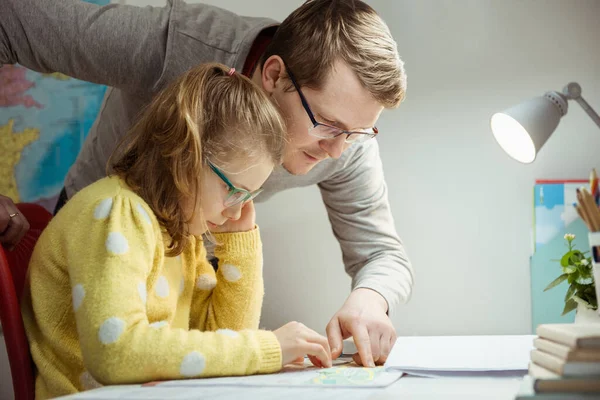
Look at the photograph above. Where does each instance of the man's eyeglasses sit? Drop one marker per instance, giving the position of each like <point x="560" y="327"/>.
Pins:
<point x="235" y="195"/>
<point x="325" y="131"/>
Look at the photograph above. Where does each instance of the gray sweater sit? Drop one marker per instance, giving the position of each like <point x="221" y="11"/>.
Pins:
<point x="137" y="51"/>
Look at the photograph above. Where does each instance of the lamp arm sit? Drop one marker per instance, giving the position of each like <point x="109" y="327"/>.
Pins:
<point x="589" y="110"/>
<point x="573" y="92"/>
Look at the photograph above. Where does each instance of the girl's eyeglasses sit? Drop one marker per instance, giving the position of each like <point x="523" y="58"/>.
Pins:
<point x="235" y="195"/>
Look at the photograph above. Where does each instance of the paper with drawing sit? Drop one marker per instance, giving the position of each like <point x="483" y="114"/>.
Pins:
<point x="348" y="375"/>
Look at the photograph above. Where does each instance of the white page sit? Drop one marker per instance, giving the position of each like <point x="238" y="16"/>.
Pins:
<point x="426" y="354"/>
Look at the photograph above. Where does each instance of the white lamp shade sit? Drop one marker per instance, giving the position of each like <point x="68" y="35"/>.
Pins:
<point x="523" y="129"/>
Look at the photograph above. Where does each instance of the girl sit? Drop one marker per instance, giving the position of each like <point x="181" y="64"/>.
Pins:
<point x="120" y="288"/>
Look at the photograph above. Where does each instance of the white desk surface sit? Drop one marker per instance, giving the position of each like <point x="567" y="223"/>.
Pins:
<point x="407" y="387"/>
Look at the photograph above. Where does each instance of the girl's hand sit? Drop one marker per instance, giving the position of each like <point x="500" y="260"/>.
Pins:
<point x="296" y="340"/>
<point x="246" y="222"/>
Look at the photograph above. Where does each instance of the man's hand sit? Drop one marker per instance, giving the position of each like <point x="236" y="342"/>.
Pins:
<point x="364" y="317"/>
<point x="13" y="226"/>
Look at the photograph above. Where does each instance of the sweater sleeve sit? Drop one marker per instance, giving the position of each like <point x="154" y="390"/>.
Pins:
<point x="116" y="45"/>
<point x="110" y="278"/>
<point x="231" y="298"/>
<point x="357" y="203"/>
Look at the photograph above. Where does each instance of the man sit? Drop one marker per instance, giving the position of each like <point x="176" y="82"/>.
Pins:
<point x="331" y="66"/>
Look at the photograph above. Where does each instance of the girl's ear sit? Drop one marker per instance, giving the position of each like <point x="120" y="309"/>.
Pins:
<point x="272" y="71"/>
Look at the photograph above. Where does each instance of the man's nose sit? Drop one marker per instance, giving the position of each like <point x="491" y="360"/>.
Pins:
<point x="333" y="147"/>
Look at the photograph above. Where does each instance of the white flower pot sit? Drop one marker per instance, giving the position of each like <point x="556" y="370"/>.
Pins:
<point x="586" y="315"/>
<point x="594" y="239"/>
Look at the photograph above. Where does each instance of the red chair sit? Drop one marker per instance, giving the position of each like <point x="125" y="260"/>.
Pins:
<point x="13" y="272"/>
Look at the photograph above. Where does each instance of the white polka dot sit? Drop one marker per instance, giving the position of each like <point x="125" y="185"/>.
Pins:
<point x="192" y="365"/>
<point x="88" y="382"/>
<point x="162" y="287"/>
<point x="228" y="332"/>
<point x="110" y="330"/>
<point x="78" y="293"/>
<point x="206" y="282"/>
<point x="181" y="286"/>
<point x="103" y="209"/>
<point x="159" y="324"/>
<point x="144" y="214"/>
<point x="116" y="243"/>
<point x="231" y="272"/>
<point x="142" y="291"/>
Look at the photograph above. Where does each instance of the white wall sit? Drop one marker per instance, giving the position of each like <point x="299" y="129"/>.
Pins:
<point x="462" y="207"/>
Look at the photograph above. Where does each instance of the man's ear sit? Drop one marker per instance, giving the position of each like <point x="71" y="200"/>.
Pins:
<point x="273" y="70"/>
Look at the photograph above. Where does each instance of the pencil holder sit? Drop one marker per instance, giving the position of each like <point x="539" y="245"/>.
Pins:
<point x="594" y="239"/>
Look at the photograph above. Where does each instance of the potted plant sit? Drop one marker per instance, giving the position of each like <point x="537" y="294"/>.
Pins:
<point x="577" y="271"/>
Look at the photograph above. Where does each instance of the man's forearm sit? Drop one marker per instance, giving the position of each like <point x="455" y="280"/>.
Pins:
<point x="115" y="45"/>
<point x="357" y="204"/>
<point x="392" y="281"/>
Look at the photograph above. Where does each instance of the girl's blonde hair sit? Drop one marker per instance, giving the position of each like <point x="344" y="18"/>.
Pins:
<point x="207" y="113"/>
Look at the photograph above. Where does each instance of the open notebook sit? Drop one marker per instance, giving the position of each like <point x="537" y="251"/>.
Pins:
<point x="461" y="355"/>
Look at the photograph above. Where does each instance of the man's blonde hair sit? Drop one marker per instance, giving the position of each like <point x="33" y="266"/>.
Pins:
<point x="206" y="114"/>
<point x="320" y="32"/>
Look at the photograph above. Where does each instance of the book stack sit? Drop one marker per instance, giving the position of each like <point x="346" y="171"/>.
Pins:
<point x="565" y="363"/>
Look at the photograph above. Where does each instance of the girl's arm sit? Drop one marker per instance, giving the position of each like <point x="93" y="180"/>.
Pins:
<point x="113" y="276"/>
<point x="231" y="299"/>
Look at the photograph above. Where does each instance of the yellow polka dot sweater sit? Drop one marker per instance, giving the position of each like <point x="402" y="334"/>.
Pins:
<point x="105" y="305"/>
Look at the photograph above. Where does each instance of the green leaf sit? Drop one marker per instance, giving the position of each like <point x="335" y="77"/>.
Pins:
<point x="569" y="306"/>
<point x="570" y="293"/>
<point x="556" y="282"/>
<point x="574" y="276"/>
<point x="590" y="300"/>
<point x="583" y="276"/>
<point x="590" y="290"/>
<point x="580" y="300"/>
<point x="564" y="261"/>
<point x="569" y="269"/>
<point x="584" y="280"/>
<point x="584" y="269"/>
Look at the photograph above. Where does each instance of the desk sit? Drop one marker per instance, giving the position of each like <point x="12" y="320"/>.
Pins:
<point x="407" y="387"/>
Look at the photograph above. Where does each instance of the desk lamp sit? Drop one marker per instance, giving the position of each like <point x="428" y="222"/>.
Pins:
<point x="523" y="129"/>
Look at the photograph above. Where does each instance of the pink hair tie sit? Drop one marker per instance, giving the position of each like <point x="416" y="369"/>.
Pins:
<point x="231" y="71"/>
